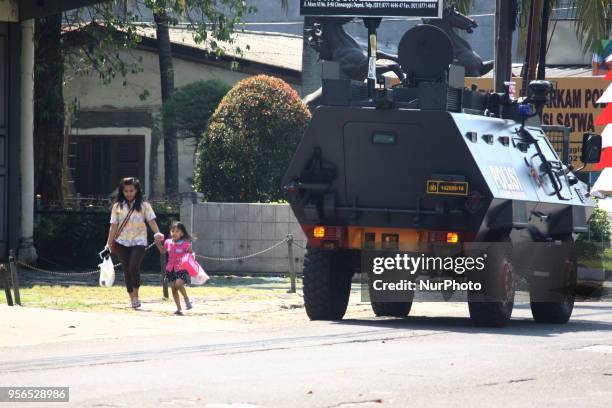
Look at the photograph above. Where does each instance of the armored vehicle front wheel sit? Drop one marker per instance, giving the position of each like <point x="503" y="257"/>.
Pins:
<point x="561" y="292"/>
<point x="327" y="283"/>
<point x="492" y="306"/>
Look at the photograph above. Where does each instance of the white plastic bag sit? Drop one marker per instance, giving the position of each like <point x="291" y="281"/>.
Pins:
<point x="107" y="272"/>
<point x="201" y="277"/>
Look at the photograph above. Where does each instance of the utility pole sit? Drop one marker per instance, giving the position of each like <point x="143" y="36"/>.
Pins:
<point x="504" y="26"/>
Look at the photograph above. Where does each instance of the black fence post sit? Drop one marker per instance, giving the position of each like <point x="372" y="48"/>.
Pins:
<point x="6" y="285"/>
<point x="164" y="281"/>
<point x="14" y="276"/>
<point x="291" y="263"/>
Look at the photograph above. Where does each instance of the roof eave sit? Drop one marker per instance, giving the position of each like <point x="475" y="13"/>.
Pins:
<point x="35" y="8"/>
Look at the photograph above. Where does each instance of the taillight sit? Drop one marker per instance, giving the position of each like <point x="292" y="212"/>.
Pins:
<point x="326" y="237"/>
<point x="448" y="237"/>
<point x="318" y="232"/>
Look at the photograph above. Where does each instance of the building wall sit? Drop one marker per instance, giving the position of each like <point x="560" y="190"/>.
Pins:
<point x="227" y="230"/>
<point x="91" y="94"/>
<point x="8" y="10"/>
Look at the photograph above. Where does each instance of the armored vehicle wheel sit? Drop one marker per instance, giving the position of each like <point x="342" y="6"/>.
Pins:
<point x="557" y="312"/>
<point x="384" y="308"/>
<point x="327" y="284"/>
<point x="492" y="306"/>
<point x="391" y="309"/>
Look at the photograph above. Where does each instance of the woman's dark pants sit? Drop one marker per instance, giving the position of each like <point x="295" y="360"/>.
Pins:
<point x="130" y="258"/>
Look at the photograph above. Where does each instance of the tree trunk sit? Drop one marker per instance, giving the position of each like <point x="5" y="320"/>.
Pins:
<point x="48" y="108"/>
<point x="534" y="53"/>
<point x="166" y="71"/>
<point x="153" y="165"/>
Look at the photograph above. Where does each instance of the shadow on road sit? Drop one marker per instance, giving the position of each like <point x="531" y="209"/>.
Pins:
<point x="517" y="326"/>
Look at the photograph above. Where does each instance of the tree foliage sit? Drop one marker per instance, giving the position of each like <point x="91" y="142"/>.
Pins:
<point x="593" y="21"/>
<point x="600" y="227"/>
<point x="249" y="142"/>
<point x="191" y="106"/>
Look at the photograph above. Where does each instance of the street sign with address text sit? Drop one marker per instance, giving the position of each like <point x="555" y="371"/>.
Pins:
<point x="372" y="8"/>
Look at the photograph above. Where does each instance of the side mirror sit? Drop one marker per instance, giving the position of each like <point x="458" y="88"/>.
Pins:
<point x="591" y="148"/>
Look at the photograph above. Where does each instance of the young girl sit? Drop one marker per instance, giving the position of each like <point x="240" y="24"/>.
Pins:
<point x="127" y="235"/>
<point x="179" y="245"/>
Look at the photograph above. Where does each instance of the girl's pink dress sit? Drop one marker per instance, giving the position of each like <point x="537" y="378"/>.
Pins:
<point x="176" y="251"/>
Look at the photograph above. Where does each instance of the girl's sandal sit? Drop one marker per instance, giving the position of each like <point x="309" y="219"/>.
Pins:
<point x="178" y="313"/>
<point x="188" y="304"/>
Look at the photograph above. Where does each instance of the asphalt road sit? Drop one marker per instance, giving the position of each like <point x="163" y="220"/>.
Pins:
<point x="425" y="360"/>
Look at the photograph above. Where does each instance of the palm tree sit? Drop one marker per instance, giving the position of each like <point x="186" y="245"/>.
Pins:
<point x="593" y="21"/>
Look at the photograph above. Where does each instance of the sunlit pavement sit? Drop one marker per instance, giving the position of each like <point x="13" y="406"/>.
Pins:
<point x="435" y="357"/>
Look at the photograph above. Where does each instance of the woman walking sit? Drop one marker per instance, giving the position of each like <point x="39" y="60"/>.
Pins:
<point x="127" y="236"/>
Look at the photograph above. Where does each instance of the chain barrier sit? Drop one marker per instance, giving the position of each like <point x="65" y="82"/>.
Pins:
<point x="68" y="274"/>
<point x="210" y="258"/>
<point x="54" y="273"/>
<point x="299" y="246"/>
<point x="238" y="258"/>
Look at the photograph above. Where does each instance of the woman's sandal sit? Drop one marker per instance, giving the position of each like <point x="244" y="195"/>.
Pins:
<point x="178" y="313"/>
<point x="188" y="304"/>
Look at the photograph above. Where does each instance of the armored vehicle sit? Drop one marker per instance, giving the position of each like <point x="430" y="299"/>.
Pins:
<point x="428" y="164"/>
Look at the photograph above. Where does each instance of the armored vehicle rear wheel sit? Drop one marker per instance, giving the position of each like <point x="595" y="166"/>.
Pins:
<point x="560" y="309"/>
<point x="327" y="284"/>
<point x="492" y="306"/>
<point x="391" y="309"/>
<point x="383" y="307"/>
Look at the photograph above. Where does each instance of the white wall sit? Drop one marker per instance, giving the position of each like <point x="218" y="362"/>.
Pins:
<point x="228" y="230"/>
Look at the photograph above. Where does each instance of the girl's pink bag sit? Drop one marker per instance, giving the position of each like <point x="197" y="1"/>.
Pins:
<point x="194" y="269"/>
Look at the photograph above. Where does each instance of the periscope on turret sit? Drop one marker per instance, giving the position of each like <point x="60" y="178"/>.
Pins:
<point x="431" y="169"/>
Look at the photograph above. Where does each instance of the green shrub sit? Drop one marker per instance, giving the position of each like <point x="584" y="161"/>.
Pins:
<point x="599" y="227"/>
<point x="249" y="142"/>
<point x="591" y="246"/>
<point x="192" y="105"/>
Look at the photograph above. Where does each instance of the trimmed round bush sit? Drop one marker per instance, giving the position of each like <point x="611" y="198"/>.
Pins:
<point x="192" y="105"/>
<point x="249" y="142"/>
